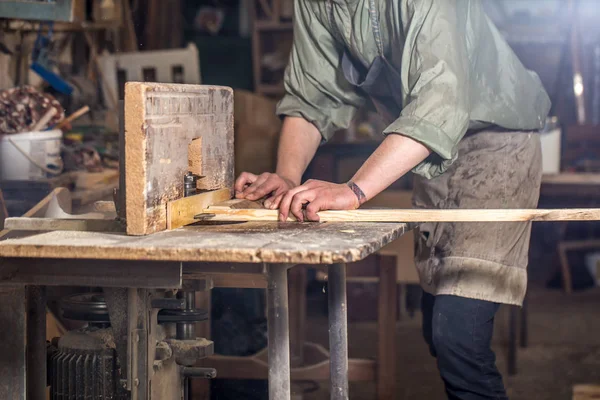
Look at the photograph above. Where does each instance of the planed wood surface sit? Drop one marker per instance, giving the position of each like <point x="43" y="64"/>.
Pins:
<point x="418" y="215"/>
<point x="252" y="242"/>
<point x="181" y="212"/>
<point x="69" y="224"/>
<point x="161" y="120"/>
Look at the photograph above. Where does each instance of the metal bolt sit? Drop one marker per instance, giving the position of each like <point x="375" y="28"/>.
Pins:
<point x="137" y="382"/>
<point x="137" y="338"/>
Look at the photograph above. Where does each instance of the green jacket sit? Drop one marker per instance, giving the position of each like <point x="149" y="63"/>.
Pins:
<point x="458" y="73"/>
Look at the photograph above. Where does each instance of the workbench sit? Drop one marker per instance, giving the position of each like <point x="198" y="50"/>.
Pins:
<point x="260" y="250"/>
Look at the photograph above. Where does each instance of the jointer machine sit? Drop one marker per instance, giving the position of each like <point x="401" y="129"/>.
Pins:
<point x="173" y="233"/>
<point x="146" y="259"/>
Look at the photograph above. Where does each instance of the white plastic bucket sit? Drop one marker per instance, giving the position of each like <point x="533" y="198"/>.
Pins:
<point x="592" y="262"/>
<point x="43" y="149"/>
<point x="551" y="139"/>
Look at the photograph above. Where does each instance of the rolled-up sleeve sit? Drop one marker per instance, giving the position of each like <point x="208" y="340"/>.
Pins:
<point x="435" y="75"/>
<point x="316" y="89"/>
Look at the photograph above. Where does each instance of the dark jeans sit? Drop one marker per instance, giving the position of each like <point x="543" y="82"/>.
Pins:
<point x="459" y="334"/>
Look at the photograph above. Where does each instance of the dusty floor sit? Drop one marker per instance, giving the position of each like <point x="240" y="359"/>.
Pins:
<point x="564" y="349"/>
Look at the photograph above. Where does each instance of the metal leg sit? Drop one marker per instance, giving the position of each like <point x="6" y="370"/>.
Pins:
<point x="12" y="343"/>
<point x="36" y="343"/>
<point x="279" y="332"/>
<point x="386" y="329"/>
<point x="512" y="341"/>
<point x="338" y="331"/>
<point x="524" y="331"/>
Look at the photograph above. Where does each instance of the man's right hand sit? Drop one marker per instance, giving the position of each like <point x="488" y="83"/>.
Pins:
<point x="253" y="187"/>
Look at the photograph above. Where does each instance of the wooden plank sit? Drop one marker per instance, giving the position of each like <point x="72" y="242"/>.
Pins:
<point x="316" y="368"/>
<point x="395" y="215"/>
<point x="181" y="212"/>
<point x="160" y="122"/>
<point x="70" y="224"/>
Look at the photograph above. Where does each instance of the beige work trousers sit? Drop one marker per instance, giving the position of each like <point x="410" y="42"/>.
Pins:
<point x="484" y="261"/>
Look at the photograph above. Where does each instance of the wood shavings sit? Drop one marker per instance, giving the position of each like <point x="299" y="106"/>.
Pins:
<point x="22" y="107"/>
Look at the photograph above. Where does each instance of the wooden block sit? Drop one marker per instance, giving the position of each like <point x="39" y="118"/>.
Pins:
<point x="181" y="212"/>
<point x="586" y="392"/>
<point x="195" y="156"/>
<point x="161" y="120"/>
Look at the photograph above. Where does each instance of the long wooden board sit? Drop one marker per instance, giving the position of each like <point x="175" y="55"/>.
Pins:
<point x="420" y="215"/>
<point x="161" y="120"/>
<point x="181" y="212"/>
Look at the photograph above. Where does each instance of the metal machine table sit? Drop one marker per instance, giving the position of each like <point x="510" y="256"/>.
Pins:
<point x="162" y="260"/>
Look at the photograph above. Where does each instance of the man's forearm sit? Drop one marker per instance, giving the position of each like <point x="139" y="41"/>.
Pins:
<point x="394" y="157"/>
<point x="298" y="144"/>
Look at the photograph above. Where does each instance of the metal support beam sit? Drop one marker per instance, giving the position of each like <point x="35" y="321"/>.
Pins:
<point x="512" y="340"/>
<point x="12" y="343"/>
<point x="104" y="273"/>
<point x="36" y="343"/>
<point x="338" y="331"/>
<point x="279" y="332"/>
<point x="138" y="307"/>
<point x="523" y="328"/>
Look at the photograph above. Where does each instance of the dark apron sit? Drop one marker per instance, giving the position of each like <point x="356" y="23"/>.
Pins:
<point x="381" y="82"/>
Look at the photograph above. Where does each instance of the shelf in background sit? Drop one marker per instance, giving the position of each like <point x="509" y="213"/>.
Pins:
<point x="273" y="25"/>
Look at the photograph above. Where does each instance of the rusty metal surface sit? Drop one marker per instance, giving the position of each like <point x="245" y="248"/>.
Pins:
<point x="188" y="352"/>
<point x="279" y="333"/>
<point x="116" y="302"/>
<point x="12" y="343"/>
<point x="36" y="343"/>
<point x="338" y="331"/>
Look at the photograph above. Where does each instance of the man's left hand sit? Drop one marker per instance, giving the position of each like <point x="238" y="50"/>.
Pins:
<point x="316" y="196"/>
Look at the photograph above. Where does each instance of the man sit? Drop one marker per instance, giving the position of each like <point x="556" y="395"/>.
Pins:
<point x="462" y="114"/>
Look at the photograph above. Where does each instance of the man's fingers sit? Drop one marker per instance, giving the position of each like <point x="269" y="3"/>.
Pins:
<point x="312" y="209"/>
<point x="273" y="202"/>
<point x="286" y="202"/>
<point x="264" y="189"/>
<point x="299" y="200"/>
<point x="259" y="181"/>
<point x="244" y="179"/>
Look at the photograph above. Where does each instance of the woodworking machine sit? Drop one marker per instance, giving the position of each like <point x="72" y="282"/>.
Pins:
<point x="176" y="160"/>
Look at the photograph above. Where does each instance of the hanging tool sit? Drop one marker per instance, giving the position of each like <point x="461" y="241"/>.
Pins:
<point x="42" y="63"/>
